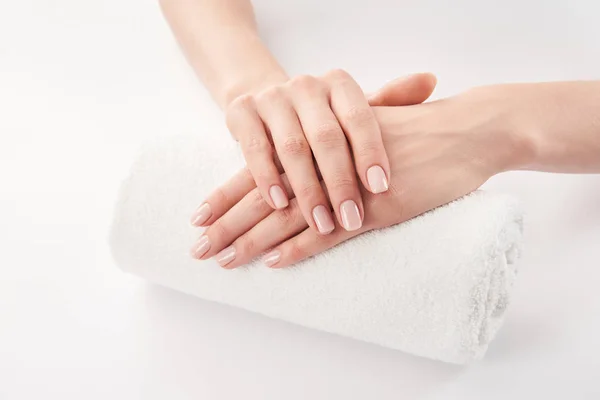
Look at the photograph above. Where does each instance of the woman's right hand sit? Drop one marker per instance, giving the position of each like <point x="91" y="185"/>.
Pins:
<point x="283" y="127"/>
<point x="312" y="128"/>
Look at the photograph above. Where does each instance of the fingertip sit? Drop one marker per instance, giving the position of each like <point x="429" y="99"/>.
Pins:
<point x="200" y="248"/>
<point x="432" y="78"/>
<point x="430" y="82"/>
<point x="272" y="259"/>
<point x="278" y="197"/>
<point x="201" y="215"/>
<point x="323" y="220"/>
<point x="377" y="180"/>
<point x="226" y="257"/>
<point x="350" y="215"/>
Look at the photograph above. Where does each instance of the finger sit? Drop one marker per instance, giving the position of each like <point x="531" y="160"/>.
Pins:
<point x="405" y="91"/>
<point x="330" y="148"/>
<point x="228" y="195"/>
<point x="351" y="108"/>
<point x="296" y="158"/>
<point x="223" y="198"/>
<point x="277" y="227"/>
<point x="304" y="245"/>
<point x="246" y="125"/>
<point x="244" y="215"/>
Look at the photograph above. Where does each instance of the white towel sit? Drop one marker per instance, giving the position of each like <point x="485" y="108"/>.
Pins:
<point x="436" y="286"/>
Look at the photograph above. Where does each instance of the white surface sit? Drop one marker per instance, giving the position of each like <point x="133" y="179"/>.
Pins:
<point x="81" y="83"/>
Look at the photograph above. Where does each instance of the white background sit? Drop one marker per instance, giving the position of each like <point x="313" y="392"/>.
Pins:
<point x="82" y="83"/>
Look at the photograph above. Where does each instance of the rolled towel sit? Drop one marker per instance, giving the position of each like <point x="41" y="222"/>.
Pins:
<point x="436" y="286"/>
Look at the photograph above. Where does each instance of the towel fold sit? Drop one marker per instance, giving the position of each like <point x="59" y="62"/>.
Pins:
<point x="436" y="286"/>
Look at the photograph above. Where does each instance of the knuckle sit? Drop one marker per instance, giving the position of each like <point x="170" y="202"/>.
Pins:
<point x="370" y="149"/>
<point x="295" y="146"/>
<point x="256" y="143"/>
<point x="246" y="245"/>
<point x="304" y="82"/>
<point x="287" y="216"/>
<point x="220" y="197"/>
<point x="359" y="116"/>
<point x="258" y="204"/>
<point x="341" y="182"/>
<point x="329" y="134"/>
<point x="296" y="251"/>
<point x="338" y="74"/>
<point x="218" y="231"/>
<point x="270" y="95"/>
<point x="311" y="192"/>
<point x="240" y="103"/>
<point x="256" y="198"/>
<point x="237" y="108"/>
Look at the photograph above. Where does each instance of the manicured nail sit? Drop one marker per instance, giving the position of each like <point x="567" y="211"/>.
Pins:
<point x="226" y="256"/>
<point x="278" y="197"/>
<point x="323" y="219"/>
<point x="202" y="214"/>
<point x="202" y="247"/>
<point x="272" y="258"/>
<point x="350" y="215"/>
<point x="377" y="180"/>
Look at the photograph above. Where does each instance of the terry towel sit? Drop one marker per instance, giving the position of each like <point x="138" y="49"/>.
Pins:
<point x="436" y="286"/>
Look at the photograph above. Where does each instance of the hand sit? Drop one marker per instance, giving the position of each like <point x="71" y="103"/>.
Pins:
<point x="327" y="118"/>
<point x="435" y="150"/>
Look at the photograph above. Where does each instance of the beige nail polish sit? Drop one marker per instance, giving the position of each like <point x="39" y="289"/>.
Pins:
<point x="377" y="180"/>
<point x="351" y="220"/>
<point x="323" y="219"/>
<point x="272" y="258"/>
<point x="226" y="256"/>
<point x="202" y="214"/>
<point x="278" y="197"/>
<point x="201" y="247"/>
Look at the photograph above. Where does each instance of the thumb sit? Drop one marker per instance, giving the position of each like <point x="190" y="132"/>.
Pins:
<point x="404" y="91"/>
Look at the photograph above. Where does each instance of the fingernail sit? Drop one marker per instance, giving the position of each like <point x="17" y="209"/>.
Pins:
<point x="202" y="214"/>
<point x="377" y="180"/>
<point x="278" y="197"/>
<point x="225" y="256"/>
<point x="350" y="215"/>
<point x="202" y="247"/>
<point x="323" y="219"/>
<point x="272" y="258"/>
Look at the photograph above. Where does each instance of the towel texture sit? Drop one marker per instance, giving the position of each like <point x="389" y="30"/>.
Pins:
<point x="436" y="286"/>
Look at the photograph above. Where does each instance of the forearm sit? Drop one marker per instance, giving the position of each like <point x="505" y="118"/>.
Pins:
<point x="221" y="42"/>
<point x="548" y="127"/>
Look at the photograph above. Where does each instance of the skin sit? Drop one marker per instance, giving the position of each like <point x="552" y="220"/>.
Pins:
<point x="430" y="153"/>
<point x="311" y="128"/>
<point x="238" y="206"/>
<point x="438" y="151"/>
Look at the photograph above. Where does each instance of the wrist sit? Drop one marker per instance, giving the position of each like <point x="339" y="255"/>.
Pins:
<point x="504" y="127"/>
<point x="497" y="135"/>
<point x="562" y="126"/>
<point x="514" y="146"/>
